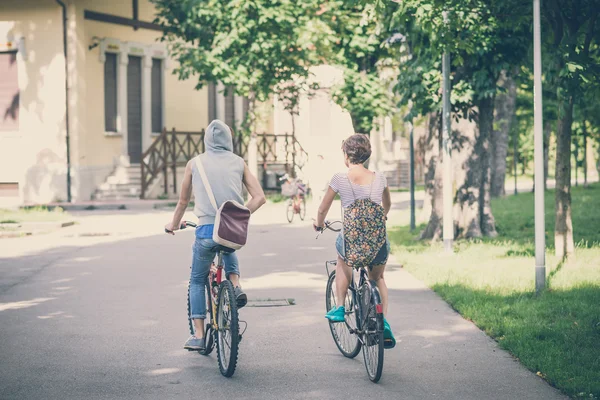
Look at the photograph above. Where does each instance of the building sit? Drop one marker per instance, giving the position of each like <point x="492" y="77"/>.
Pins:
<point x="95" y="107"/>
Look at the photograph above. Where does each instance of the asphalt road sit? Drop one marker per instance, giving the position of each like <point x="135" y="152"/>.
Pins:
<point x="98" y="311"/>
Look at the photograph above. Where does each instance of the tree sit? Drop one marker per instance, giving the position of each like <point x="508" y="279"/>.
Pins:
<point x="574" y="32"/>
<point x="504" y="116"/>
<point x="483" y="39"/>
<point x="357" y="43"/>
<point x="250" y="45"/>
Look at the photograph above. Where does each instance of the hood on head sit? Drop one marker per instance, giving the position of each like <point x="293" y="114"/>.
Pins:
<point x="217" y="137"/>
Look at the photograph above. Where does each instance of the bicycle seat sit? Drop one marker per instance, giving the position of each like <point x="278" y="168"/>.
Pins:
<point x="223" y="249"/>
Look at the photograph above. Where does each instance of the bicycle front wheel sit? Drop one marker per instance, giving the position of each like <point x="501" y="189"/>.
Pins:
<point x="346" y="341"/>
<point x="290" y="211"/>
<point x="228" y="334"/>
<point x="372" y="328"/>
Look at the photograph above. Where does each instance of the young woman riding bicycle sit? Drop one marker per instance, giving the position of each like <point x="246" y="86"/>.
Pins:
<point x="226" y="173"/>
<point x="356" y="184"/>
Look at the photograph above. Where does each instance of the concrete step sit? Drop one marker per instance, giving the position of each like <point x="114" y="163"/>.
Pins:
<point x="129" y="180"/>
<point x="121" y="190"/>
<point x="120" y="186"/>
<point x="114" y="196"/>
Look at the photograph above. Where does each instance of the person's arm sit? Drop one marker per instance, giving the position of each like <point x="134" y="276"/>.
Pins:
<point x="387" y="200"/>
<point x="257" y="196"/>
<point x="324" y="208"/>
<point x="184" y="199"/>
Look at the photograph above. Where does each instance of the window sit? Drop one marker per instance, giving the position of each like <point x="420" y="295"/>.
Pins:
<point x="157" y="95"/>
<point x="9" y="92"/>
<point x="110" y="93"/>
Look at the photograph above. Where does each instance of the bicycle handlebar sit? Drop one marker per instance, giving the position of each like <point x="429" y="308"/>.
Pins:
<point x="184" y="224"/>
<point x="328" y="226"/>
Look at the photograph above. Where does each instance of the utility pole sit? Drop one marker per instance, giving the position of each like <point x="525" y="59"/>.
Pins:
<point x="540" y="238"/>
<point x="412" y="177"/>
<point x="448" y="222"/>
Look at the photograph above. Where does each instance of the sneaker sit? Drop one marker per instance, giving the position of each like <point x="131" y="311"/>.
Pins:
<point x="336" y="314"/>
<point x="194" y="344"/>
<point x="240" y="297"/>
<point x="389" y="341"/>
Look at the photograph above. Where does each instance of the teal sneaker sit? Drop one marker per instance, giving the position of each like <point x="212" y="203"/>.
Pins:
<point x="389" y="341"/>
<point x="336" y="314"/>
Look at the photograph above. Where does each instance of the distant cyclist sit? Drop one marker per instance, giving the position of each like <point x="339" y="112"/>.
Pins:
<point x="366" y="201"/>
<point x="227" y="174"/>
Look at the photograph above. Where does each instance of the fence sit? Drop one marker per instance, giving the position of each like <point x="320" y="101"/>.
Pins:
<point x="174" y="149"/>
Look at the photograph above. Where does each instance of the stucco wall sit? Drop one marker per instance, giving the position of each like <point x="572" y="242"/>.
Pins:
<point x="35" y="155"/>
<point x="184" y="107"/>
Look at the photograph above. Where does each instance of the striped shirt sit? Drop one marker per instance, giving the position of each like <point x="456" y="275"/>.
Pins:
<point x="347" y="191"/>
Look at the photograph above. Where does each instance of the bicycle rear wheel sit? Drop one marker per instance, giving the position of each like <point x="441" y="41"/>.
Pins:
<point x="347" y="342"/>
<point x="290" y="211"/>
<point x="303" y="209"/>
<point x="228" y="334"/>
<point x="372" y="327"/>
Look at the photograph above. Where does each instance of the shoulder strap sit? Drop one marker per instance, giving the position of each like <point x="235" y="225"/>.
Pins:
<point x="351" y="188"/>
<point x="204" y="178"/>
<point x="372" y="182"/>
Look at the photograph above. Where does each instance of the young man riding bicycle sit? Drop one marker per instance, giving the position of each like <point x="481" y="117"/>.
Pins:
<point x="227" y="174"/>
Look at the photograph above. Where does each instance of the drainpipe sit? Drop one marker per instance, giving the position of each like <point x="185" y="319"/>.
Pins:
<point x="64" y="15"/>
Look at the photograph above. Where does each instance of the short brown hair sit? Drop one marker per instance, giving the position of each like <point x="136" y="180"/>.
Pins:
<point x="358" y="148"/>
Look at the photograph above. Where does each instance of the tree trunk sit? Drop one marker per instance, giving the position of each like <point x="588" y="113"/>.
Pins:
<point x="563" y="229"/>
<point x="585" y="182"/>
<point x="504" y="115"/>
<point x="547" y="133"/>
<point x="433" y="177"/>
<point x="475" y="217"/>
<point x="486" y="126"/>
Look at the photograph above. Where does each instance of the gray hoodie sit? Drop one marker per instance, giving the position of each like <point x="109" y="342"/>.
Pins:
<point x="225" y="172"/>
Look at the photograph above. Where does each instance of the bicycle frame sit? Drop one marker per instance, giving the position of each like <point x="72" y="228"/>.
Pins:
<point x="215" y="280"/>
<point x="357" y="299"/>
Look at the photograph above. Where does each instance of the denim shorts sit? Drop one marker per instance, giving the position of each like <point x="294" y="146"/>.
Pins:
<point x="380" y="259"/>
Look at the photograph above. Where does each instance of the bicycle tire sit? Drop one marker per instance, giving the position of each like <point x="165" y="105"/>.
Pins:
<point x="303" y="209"/>
<point x="227" y="359"/>
<point x="289" y="213"/>
<point x="346" y="342"/>
<point x="209" y="338"/>
<point x="372" y="337"/>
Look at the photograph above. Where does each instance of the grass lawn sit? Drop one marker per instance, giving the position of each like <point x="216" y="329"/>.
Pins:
<point x="491" y="281"/>
<point x="37" y="214"/>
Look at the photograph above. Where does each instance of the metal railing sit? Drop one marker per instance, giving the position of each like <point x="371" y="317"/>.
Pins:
<point x="174" y="149"/>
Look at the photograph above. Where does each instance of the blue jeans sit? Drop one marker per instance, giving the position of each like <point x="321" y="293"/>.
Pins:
<point x="203" y="254"/>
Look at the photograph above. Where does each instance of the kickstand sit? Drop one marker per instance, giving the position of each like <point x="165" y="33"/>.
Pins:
<point x="245" y="327"/>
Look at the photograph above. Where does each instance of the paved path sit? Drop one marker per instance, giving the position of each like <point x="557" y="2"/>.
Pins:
<point x="103" y="317"/>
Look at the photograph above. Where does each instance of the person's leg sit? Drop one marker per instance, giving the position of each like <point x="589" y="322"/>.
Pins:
<point x="376" y="274"/>
<point x="232" y="272"/>
<point x="343" y="276"/>
<point x="202" y="259"/>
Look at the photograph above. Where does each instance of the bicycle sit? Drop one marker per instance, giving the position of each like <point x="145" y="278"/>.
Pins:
<point x="222" y="331"/>
<point x="363" y="324"/>
<point x="295" y="189"/>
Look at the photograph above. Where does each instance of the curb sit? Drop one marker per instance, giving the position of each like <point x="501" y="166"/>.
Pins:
<point x="33" y="228"/>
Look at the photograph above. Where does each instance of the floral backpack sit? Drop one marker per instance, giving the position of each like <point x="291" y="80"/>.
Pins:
<point x="364" y="231"/>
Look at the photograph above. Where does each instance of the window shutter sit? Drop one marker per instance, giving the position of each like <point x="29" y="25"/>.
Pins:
<point x="157" y="96"/>
<point x="110" y="93"/>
